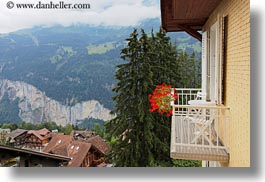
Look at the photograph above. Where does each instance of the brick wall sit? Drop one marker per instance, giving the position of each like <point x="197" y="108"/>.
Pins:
<point x="237" y="78"/>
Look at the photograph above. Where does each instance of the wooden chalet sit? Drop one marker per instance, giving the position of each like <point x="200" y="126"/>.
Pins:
<point x="37" y="138"/>
<point x="17" y="137"/>
<point x="59" y="144"/>
<point x="79" y="154"/>
<point x="99" y="150"/>
<point x="82" y="154"/>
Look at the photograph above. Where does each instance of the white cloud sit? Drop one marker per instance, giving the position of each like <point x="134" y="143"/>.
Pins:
<point x="102" y="12"/>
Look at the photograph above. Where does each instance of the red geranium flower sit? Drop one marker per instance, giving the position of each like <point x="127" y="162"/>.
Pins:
<point x="160" y="99"/>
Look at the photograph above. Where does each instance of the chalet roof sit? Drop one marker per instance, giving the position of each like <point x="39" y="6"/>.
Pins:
<point x="17" y="133"/>
<point x="66" y="146"/>
<point x="186" y="15"/>
<point x="99" y="143"/>
<point x="60" y="150"/>
<point x="77" y="152"/>
<point x="58" y="144"/>
<point x="44" y="131"/>
<point x="41" y="134"/>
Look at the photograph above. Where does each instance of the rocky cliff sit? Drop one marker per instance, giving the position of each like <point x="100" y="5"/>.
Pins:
<point x="35" y="106"/>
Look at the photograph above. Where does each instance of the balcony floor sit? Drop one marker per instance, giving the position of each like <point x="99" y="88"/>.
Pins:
<point x="184" y="150"/>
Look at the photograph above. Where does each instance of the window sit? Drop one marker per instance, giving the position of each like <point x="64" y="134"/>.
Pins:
<point x="214" y="50"/>
<point x="212" y="64"/>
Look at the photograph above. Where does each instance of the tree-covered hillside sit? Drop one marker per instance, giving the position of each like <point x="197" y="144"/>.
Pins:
<point x="75" y="63"/>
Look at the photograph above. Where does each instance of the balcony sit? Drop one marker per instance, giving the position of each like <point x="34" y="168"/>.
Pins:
<point x="198" y="131"/>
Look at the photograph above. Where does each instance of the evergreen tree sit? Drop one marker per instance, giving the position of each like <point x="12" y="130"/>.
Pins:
<point x="132" y="124"/>
<point x="165" y="70"/>
<point x="189" y="70"/>
<point x="144" y="137"/>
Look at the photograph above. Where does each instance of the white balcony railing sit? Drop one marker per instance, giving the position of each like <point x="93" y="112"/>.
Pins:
<point x="198" y="131"/>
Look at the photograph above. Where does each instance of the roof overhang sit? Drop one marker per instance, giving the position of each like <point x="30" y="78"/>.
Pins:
<point x="19" y="151"/>
<point x="186" y="15"/>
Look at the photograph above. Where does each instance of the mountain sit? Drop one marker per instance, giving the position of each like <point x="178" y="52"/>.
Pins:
<point x="34" y="106"/>
<point x="74" y="64"/>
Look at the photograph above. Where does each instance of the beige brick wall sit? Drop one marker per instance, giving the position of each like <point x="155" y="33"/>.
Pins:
<point x="238" y="78"/>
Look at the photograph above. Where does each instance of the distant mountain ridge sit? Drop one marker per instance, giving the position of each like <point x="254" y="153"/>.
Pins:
<point x="73" y="64"/>
<point x="35" y="107"/>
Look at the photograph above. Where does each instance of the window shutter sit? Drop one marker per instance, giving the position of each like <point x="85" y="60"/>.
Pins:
<point x="214" y="62"/>
<point x="222" y="70"/>
<point x="224" y="54"/>
<point x="204" y="63"/>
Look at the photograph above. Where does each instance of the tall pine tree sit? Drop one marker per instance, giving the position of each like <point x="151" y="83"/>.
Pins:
<point x="143" y="138"/>
<point x="133" y="123"/>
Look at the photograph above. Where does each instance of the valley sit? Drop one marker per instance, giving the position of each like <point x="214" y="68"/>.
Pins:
<point x="66" y="74"/>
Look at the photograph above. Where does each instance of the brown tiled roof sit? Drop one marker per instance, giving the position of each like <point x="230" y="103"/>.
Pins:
<point x="17" y="133"/>
<point x="43" y="131"/>
<point x="58" y="143"/>
<point x="60" y="150"/>
<point x="77" y="151"/>
<point x="99" y="143"/>
<point x="41" y="134"/>
<point x="66" y="146"/>
<point x="32" y="132"/>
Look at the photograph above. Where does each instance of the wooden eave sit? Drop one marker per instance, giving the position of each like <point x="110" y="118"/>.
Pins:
<point x="12" y="151"/>
<point x="186" y="15"/>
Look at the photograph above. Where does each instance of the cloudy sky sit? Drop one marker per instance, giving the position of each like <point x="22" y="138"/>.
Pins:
<point x="102" y="12"/>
